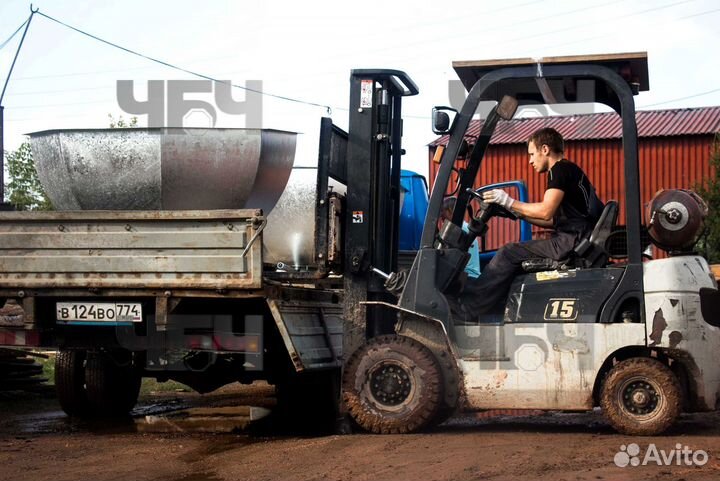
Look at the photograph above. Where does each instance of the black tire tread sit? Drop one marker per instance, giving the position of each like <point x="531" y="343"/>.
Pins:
<point x="662" y="375"/>
<point x="70" y="382"/>
<point x="431" y="398"/>
<point x="112" y="390"/>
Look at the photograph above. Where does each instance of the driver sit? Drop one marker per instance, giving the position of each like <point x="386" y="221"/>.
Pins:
<point x="570" y="207"/>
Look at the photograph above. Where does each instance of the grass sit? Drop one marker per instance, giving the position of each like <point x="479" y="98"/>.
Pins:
<point x="149" y="385"/>
<point x="152" y="386"/>
<point x="48" y="366"/>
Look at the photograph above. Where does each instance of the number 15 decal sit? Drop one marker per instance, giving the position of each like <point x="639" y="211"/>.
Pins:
<point x="561" y="310"/>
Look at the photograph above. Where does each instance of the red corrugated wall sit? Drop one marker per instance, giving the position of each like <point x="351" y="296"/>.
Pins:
<point x="665" y="162"/>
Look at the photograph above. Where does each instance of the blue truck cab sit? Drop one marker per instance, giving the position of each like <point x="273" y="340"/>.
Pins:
<point x="414" y="205"/>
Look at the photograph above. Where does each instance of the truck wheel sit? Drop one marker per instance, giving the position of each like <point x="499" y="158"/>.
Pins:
<point x="641" y="396"/>
<point x="112" y="390"/>
<point x="393" y="384"/>
<point x="70" y="382"/>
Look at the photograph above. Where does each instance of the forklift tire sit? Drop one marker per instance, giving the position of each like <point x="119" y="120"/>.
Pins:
<point x="641" y="396"/>
<point x="111" y="389"/>
<point x="393" y="385"/>
<point x="70" y="383"/>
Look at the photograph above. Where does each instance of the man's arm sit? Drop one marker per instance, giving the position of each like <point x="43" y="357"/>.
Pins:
<point x="537" y="222"/>
<point x="540" y="213"/>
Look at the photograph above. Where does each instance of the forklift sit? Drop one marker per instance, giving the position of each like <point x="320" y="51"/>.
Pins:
<point x="608" y="327"/>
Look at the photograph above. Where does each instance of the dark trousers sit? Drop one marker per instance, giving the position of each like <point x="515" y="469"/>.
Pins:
<point x="481" y="295"/>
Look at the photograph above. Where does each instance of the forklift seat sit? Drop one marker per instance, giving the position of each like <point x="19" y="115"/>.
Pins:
<point x="590" y="252"/>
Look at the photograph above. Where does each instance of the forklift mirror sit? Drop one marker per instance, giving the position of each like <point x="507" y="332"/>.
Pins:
<point x="507" y="107"/>
<point x="441" y="121"/>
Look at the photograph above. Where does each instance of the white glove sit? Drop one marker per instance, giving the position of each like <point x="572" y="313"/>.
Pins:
<point x="498" y="196"/>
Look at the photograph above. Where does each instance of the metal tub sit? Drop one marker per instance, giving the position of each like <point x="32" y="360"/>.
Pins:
<point x="185" y="169"/>
<point x="163" y="168"/>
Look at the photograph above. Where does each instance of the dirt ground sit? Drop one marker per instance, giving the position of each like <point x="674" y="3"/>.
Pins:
<point x="37" y="442"/>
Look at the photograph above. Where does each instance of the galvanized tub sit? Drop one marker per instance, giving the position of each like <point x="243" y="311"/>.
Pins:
<point x="163" y="168"/>
<point x="185" y="169"/>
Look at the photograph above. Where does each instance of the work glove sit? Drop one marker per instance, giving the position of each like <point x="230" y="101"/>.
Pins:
<point x="498" y="196"/>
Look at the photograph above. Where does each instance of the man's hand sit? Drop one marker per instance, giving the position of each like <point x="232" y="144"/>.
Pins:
<point x="498" y="196"/>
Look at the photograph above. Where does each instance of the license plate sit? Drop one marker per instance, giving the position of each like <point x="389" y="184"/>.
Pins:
<point x="99" y="312"/>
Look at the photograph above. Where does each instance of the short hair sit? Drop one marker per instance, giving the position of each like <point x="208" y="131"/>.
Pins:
<point x="550" y="137"/>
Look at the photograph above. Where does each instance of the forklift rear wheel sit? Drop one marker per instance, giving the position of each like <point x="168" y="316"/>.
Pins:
<point x="70" y="382"/>
<point x="112" y="389"/>
<point x="393" y="385"/>
<point x="641" y="396"/>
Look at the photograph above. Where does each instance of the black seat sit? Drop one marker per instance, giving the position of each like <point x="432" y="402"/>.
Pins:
<point x="592" y="249"/>
<point x="590" y="252"/>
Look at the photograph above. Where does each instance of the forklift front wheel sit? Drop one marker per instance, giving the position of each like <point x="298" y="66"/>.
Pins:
<point x="641" y="396"/>
<point x="393" y="385"/>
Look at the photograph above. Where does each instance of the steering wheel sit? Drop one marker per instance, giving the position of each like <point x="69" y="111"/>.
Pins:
<point x="489" y="210"/>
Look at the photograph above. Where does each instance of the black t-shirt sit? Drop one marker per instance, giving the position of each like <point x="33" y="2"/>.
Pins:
<point x="580" y="208"/>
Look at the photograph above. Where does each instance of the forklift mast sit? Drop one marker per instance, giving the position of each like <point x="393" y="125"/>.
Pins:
<point x="373" y="197"/>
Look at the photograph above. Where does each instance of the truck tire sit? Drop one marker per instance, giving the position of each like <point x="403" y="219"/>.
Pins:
<point x="70" y="383"/>
<point x="393" y="385"/>
<point x="112" y="390"/>
<point x="641" y="396"/>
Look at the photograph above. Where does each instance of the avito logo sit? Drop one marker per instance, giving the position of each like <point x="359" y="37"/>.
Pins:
<point x="630" y="455"/>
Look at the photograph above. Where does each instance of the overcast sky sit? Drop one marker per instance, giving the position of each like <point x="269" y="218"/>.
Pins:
<point x="306" y="50"/>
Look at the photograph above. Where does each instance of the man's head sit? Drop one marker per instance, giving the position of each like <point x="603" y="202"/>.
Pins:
<point x="545" y="147"/>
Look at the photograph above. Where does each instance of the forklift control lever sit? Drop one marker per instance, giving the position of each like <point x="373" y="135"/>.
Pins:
<point x="394" y="282"/>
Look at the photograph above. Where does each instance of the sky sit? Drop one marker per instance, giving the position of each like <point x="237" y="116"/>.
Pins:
<point x="305" y="50"/>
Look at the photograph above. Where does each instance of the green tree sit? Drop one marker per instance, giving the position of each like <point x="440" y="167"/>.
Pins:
<point x="709" y="190"/>
<point x="121" y="123"/>
<point x="23" y="189"/>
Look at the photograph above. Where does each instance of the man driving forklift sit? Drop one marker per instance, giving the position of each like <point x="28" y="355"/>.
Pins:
<point x="569" y="206"/>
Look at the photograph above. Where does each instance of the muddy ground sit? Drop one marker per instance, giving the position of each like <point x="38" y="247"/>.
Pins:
<point x="37" y="442"/>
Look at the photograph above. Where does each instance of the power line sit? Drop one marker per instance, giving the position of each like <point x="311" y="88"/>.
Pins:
<point x="627" y="15"/>
<point x="88" y="102"/>
<point x="26" y="26"/>
<point x="2" y="45"/>
<point x="573" y="42"/>
<point x="129" y="69"/>
<point x="63" y="91"/>
<point x="700" y="94"/>
<point x="181" y="69"/>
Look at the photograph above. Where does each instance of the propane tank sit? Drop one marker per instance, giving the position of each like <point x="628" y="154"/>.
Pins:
<point x="676" y="219"/>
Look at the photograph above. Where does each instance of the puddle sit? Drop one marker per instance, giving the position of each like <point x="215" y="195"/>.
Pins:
<point x="56" y="421"/>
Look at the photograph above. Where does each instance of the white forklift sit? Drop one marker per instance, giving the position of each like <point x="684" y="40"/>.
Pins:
<point x="608" y="327"/>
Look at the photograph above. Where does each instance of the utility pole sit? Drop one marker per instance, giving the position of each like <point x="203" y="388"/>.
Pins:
<point x="4" y="206"/>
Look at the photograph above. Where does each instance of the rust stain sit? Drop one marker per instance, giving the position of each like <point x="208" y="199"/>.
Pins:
<point x="659" y="325"/>
<point x="675" y="338"/>
<point x="500" y="377"/>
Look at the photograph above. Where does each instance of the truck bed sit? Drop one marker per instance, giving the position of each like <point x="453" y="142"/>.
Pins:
<point x="131" y="249"/>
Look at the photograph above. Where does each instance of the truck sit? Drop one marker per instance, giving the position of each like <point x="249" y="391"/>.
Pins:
<point x="193" y="255"/>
